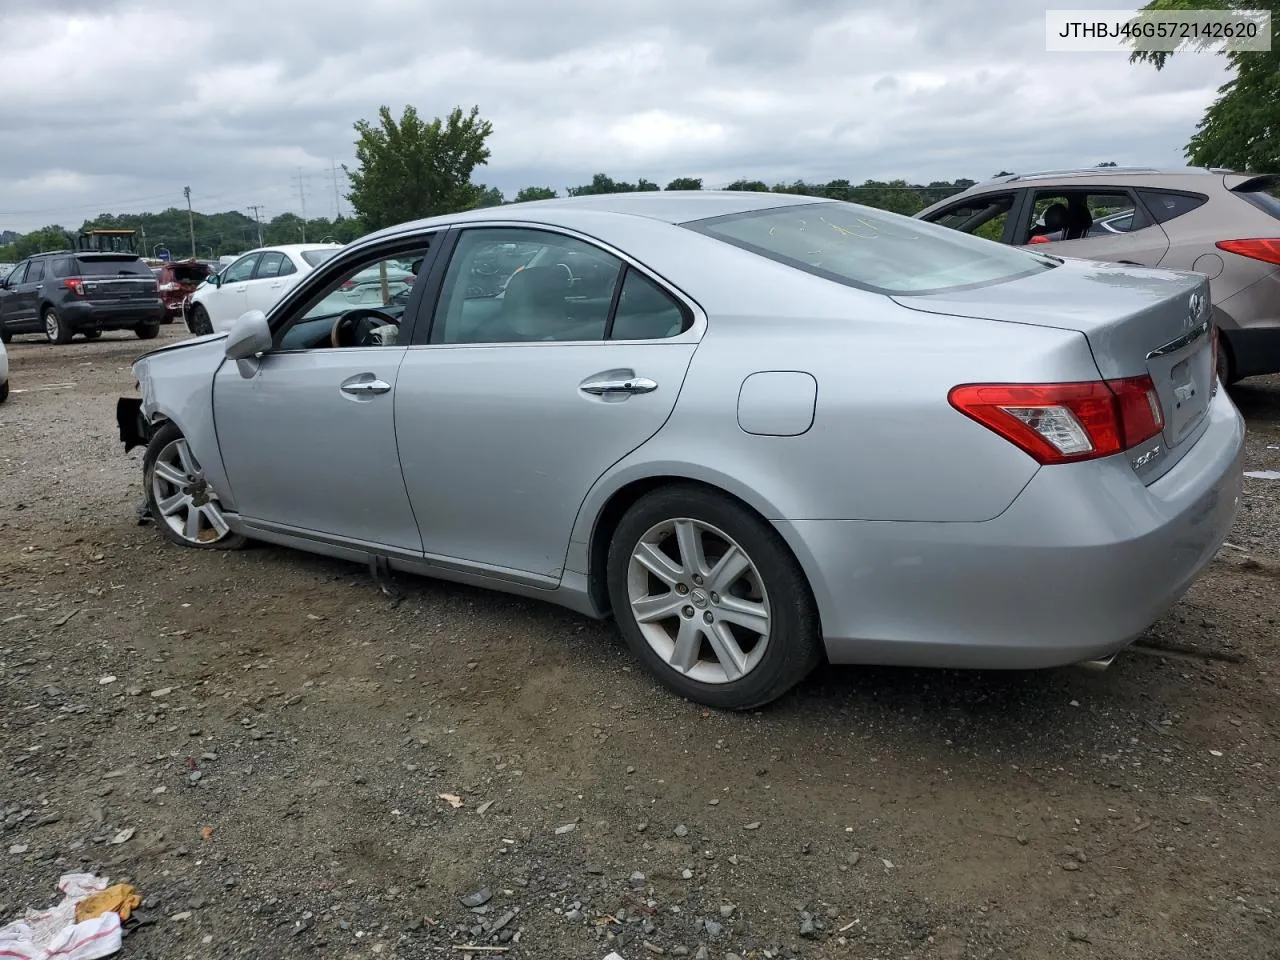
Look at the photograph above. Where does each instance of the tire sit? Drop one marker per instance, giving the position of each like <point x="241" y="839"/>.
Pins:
<point x="55" y="331"/>
<point x="198" y="321"/>
<point x="147" y="331"/>
<point x="163" y="450"/>
<point x="766" y="665"/>
<point x="1226" y="362"/>
<point x="92" y="334"/>
<point x="5" y="335"/>
<point x="4" y="391"/>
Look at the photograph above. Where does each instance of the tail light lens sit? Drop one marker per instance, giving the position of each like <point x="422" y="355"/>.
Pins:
<point x="75" y="285"/>
<point x="169" y="287"/>
<point x="1039" y="238"/>
<point x="1268" y="251"/>
<point x="1066" y="422"/>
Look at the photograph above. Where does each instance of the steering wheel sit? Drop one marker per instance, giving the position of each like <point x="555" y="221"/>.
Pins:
<point x="355" y="325"/>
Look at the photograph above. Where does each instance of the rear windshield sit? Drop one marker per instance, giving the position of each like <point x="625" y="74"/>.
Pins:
<point x="1265" y="195"/>
<point x="112" y="267"/>
<point x="872" y="249"/>
<point x="317" y="257"/>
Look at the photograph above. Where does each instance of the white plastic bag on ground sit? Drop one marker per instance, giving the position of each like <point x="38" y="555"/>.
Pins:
<point x="54" y="934"/>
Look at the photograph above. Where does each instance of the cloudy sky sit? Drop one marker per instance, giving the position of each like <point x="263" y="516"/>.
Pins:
<point x="116" y="106"/>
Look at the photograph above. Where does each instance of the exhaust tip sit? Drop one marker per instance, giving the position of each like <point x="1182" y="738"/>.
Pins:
<point x="1096" y="666"/>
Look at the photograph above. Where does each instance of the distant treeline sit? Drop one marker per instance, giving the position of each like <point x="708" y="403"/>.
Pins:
<point x="217" y="234"/>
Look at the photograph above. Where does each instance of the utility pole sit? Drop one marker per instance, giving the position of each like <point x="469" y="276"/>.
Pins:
<point x="337" y="202"/>
<point x="302" y="196"/>
<point x="256" y="209"/>
<point x="191" y="222"/>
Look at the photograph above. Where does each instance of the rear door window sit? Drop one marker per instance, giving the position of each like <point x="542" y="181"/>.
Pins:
<point x="1057" y="215"/>
<point x="269" y="265"/>
<point x="35" y="272"/>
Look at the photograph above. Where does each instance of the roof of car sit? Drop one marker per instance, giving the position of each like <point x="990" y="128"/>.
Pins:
<point x="1112" y="173"/>
<point x="292" y="248"/>
<point x="668" y="206"/>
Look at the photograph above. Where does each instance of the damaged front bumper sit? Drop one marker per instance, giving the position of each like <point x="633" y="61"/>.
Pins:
<point x="135" y="430"/>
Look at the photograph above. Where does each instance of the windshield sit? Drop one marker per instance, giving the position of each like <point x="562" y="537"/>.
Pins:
<point x="872" y="249"/>
<point x="317" y="257"/>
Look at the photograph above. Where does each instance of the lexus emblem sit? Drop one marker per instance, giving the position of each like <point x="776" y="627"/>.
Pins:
<point x="1195" y="307"/>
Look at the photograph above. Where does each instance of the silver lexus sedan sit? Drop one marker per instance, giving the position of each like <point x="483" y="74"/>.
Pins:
<point x="758" y="430"/>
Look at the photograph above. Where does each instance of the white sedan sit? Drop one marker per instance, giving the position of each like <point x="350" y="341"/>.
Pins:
<point x="254" y="281"/>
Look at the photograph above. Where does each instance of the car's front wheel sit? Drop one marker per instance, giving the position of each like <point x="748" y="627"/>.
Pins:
<point x="184" y="506"/>
<point x="147" y="331"/>
<point x="710" y="598"/>
<point x="4" y="391"/>
<point x="198" y="321"/>
<point x="5" y="335"/>
<point x="55" y="330"/>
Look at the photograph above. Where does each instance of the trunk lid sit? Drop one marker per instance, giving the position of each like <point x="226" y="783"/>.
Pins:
<point x="122" y="277"/>
<point x="1137" y="321"/>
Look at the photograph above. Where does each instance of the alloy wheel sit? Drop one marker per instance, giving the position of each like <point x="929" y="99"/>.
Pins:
<point x="699" y="601"/>
<point x="183" y="497"/>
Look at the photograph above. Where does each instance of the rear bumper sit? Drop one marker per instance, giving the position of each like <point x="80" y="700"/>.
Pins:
<point x="1079" y="565"/>
<point x="88" y="315"/>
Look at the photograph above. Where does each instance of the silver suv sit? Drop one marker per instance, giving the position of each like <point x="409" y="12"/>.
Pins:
<point x="1223" y="224"/>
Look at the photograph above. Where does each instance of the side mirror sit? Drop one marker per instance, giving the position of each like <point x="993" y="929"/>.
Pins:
<point x="214" y="279"/>
<point x="249" y="338"/>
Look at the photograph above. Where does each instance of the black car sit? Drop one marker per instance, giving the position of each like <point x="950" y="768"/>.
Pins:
<point x="69" y="292"/>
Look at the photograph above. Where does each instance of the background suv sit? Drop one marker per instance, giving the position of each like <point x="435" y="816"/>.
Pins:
<point x="1222" y="224"/>
<point x="66" y="292"/>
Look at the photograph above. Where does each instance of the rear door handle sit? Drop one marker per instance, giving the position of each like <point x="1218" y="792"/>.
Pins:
<point x="602" y="388"/>
<point x="364" y="385"/>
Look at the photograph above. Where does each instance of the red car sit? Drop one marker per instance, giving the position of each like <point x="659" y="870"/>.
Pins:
<point x="177" y="280"/>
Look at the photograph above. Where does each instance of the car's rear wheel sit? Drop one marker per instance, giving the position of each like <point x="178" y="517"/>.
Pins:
<point x="55" y="330"/>
<point x="198" y="321"/>
<point x="5" y="335"/>
<point x="147" y="331"/>
<point x="4" y="391"/>
<point x="711" y="600"/>
<point x="184" y="506"/>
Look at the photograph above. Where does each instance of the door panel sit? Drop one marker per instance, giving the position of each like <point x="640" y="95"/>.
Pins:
<point x="500" y="443"/>
<point x="309" y="442"/>
<point x="1146" y="247"/>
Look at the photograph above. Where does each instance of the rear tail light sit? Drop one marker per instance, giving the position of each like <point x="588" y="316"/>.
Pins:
<point x="75" y="285"/>
<point x="170" y="287"/>
<point x="1268" y="251"/>
<point x="1066" y="422"/>
<point x="1039" y="238"/>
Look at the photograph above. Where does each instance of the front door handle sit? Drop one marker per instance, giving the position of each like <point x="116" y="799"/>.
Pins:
<point x="364" y="388"/>
<point x="604" y="388"/>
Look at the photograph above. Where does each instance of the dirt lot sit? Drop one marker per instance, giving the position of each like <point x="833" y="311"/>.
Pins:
<point x="278" y="737"/>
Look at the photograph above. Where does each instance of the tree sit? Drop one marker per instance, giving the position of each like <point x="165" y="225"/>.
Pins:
<point x="685" y="183"/>
<point x="1241" y="129"/>
<point x="601" y="183"/>
<point x="756" y="186"/>
<point x="644" y="186"/>
<point x="535" y="193"/>
<point x="411" y="169"/>
<point x="489" y="197"/>
<point x="52" y="237"/>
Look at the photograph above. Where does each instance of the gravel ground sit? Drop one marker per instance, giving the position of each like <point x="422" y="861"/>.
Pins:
<point x="288" y="765"/>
